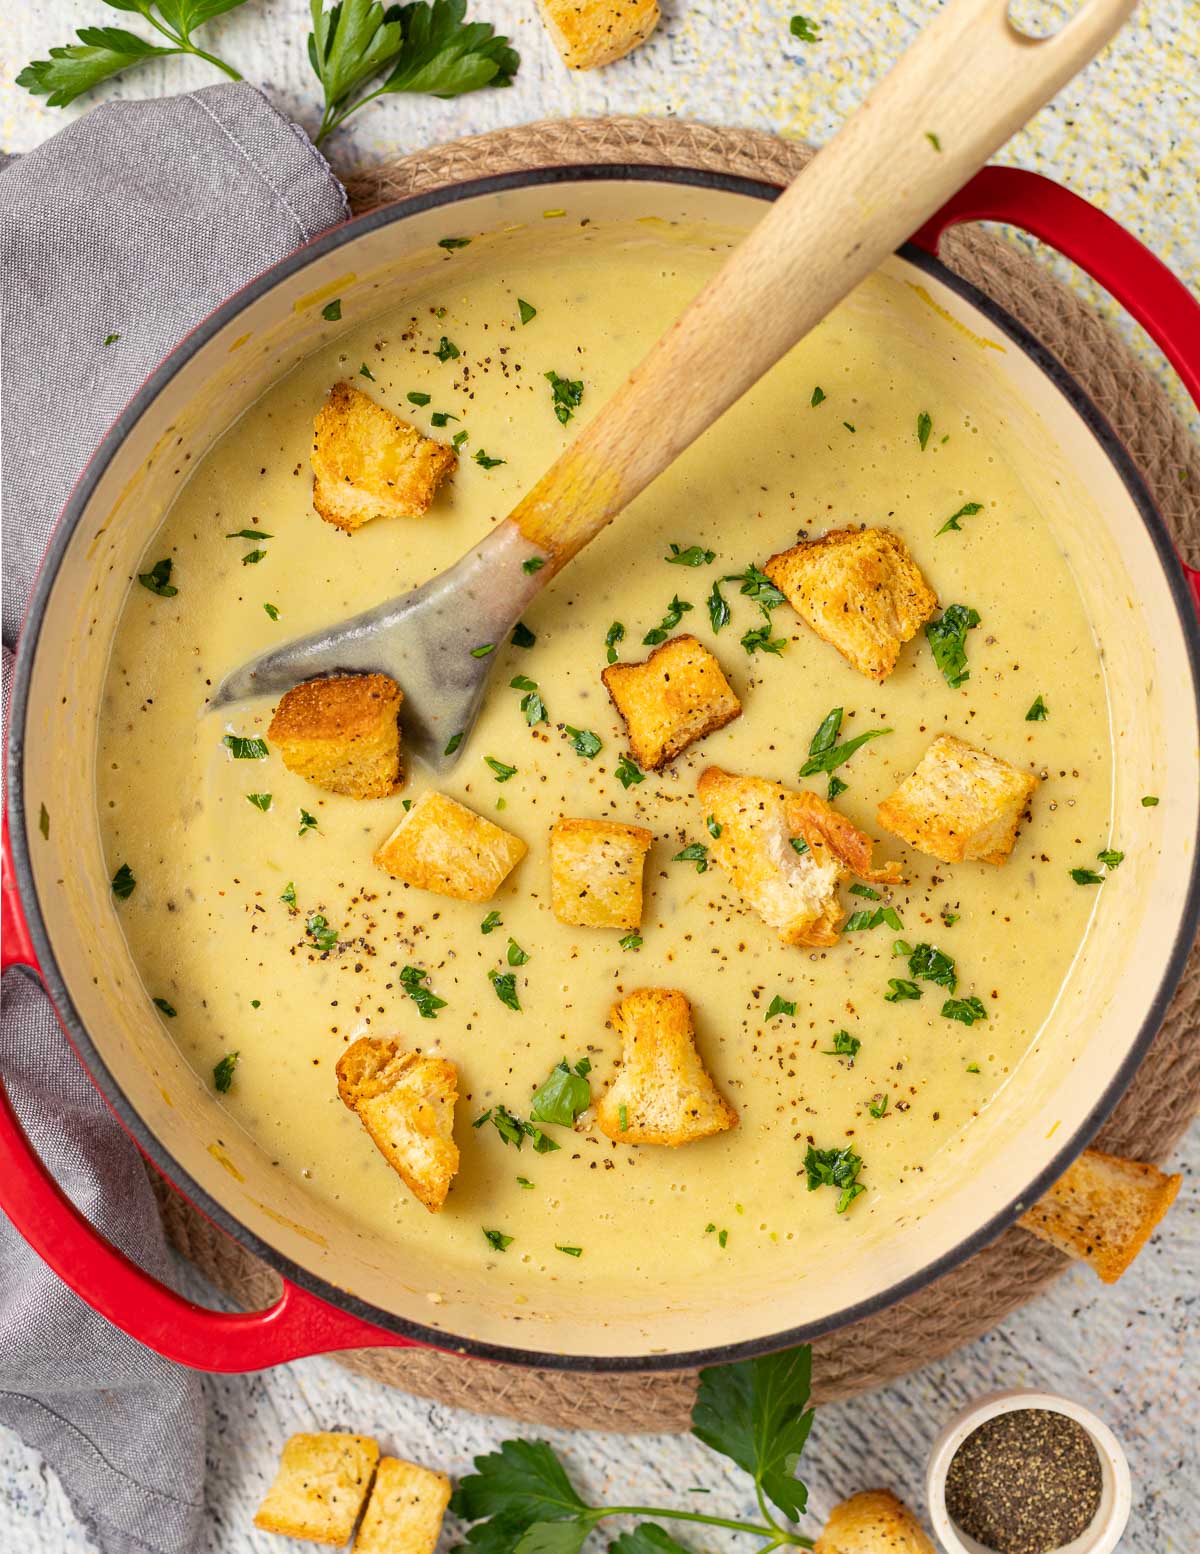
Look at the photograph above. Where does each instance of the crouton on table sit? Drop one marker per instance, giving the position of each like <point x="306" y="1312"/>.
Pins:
<point x="319" y="1489"/>
<point x="673" y="698"/>
<point x="1103" y="1210"/>
<point x="662" y="1093"/>
<point x="405" y="1511"/>
<point x="960" y="803"/>
<point x="787" y="852"/>
<point x="596" y="872"/>
<point x="406" y="1103"/>
<point x="873" y="1522"/>
<point x="858" y="589"/>
<point x="367" y="463"/>
<point x="443" y="846"/>
<point x="590" y="33"/>
<point x="343" y="734"/>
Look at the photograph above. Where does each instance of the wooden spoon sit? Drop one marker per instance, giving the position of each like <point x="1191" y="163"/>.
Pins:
<point x="967" y="84"/>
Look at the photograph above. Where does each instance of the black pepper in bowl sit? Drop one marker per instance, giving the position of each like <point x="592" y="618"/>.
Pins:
<point x="1025" y="1482"/>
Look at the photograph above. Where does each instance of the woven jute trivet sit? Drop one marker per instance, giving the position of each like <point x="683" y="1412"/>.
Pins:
<point x="1166" y="1093"/>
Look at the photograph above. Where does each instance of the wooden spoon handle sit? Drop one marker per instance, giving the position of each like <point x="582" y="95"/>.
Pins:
<point x="967" y="84"/>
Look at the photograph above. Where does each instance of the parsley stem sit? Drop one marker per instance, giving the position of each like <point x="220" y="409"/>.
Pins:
<point x="776" y="1534"/>
<point x="184" y="45"/>
<point x="329" y="124"/>
<point x="765" y="1509"/>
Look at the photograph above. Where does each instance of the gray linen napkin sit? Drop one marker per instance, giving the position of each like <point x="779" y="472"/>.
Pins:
<point x="136" y="221"/>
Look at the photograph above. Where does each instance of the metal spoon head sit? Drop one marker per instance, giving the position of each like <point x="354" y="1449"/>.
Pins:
<point x="438" y="642"/>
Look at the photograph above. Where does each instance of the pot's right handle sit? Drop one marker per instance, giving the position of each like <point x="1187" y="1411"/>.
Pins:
<point x="1139" y="281"/>
<point x="299" y="1322"/>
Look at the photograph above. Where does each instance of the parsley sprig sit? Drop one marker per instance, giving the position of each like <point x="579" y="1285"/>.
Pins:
<point x="756" y="1413"/>
<point x="826" y="755"/>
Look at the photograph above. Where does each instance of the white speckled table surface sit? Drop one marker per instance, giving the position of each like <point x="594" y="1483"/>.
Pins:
<point x="1127" y="135"/>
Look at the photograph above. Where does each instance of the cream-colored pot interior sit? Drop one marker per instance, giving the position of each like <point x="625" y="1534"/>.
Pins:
<point x="1065" y="1081"/>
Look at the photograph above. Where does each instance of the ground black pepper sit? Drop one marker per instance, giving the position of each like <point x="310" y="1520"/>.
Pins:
<point x="1026" y="1482"/>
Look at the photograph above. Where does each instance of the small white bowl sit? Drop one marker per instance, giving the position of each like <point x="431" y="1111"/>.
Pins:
<point x="1115" y="1495"/>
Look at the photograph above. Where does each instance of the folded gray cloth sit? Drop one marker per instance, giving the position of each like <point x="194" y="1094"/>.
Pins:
<point x="134" y="222"/>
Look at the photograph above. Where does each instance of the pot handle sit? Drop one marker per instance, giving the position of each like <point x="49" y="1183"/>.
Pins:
<point x="299" y="1323"/>
<point x="1126" y="268"/>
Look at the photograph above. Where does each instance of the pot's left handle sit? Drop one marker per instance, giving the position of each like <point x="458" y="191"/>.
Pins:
<point x="132" y="1299"/>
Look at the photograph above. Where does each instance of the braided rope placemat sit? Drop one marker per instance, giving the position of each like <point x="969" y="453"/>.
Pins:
<point x="1166" y="1092"/>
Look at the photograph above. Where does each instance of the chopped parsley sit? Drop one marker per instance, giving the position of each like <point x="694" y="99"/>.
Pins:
<point x="1087" y="877"/>
<point x="631" y="941"/>
<point x="482" y="459"/>
<point x="526" y="310"/>
<point x="694" y="852"/>
<point x="497" y="1240"/>
<point x="675" y="613"/>
<point x="365" y="372"/>
<point x="972" y="1068"/>
<point x="324" y="937"/>
<point x="933" y="965"/>
<point x="780" y="1005"/>
<point x="565" y="395"/>
<point x="492" y="921"/>
<point x="442" y="418"/>
<point x="307" y="823"/>
<point x="924" y="427"/>
<point x="44" y="822"/>
<point x="245" y="749"/>
<point x="612" y="636"/>
<point x="453" y="743"/>
<point x="583" y="741"/>
<point x="289" y="894"/>
<point x="332" y="311"/>
<point x="253" y="557"/>
<point x="516" y="955"/>
<point x="111" y="339"/>
<point x="504" y="985"/>
<point x="1149" y="801"/>
<point x="758" y="586"/>
<point x="158" y="579"/>
<point x="1110" y="859"/>
<point x="836" y="786"/>
<point x="718" y="608"/>
<point x="416" y="397"/>
<point x="835" y="1168"/>
<point x="803" y="28"/>
<point x="844" y="1046"/>
<point x="412" y="980"/>
<point x="865" y="891"/>
<point x="760" y="640"/>
<point x="967" y="510"/>
<point x="532" y="704"/>
<point x="714" y="826"/>
<point x="503" y="772"/>
<point x="272" y="610"/>
<point x="260" y="801"/>
<point x="628" y="773"/>
<point x="123" y="883"/>
<point x="948" y="638"/>
<point x="523" y="1181"/>
<point x="901" y="989"/>
<point x="849" y="427"/>
<point x="799" y="845"/>
<point x="166" y="1008"/>
<point x="515" y="1130"/>
<point x="249" y="534"/>
<point x="223" y="1071"/>
<point x="692" y="556"/>
<point x="532" y="564"/>
<point x="825" y="754"/>
<point x="966" y="1010"/>
<point x="818" y="395"/>
<point x="522" y="637"/>
<point x="877" y="1105"/>
<point x="867" y="919"/>
<point x="623" y="1118"/>
<point x="483" y="650"/>
<point x="446" y="350"/>
<point x="571" y="1251"/>
<point x="1038" y="713"/>
<point x="566" y="1093"/>
<point x="451" y="243"/>
<point x="933" y="140"/>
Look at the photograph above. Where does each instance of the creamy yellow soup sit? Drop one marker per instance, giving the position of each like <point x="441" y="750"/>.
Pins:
<point x="219" y="944"/>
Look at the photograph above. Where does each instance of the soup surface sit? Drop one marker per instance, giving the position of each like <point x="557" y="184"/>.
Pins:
<point x="218" y="845"/>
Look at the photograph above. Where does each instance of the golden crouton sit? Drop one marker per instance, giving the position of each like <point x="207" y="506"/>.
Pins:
<point x="792" y="888"/>
<point x="596" y="872"/>
<point x="674" y="697"/>
<point x="590" y="33"/>
<point x="858" y="589"/>
<point x="404" y="1513"/>
<point x="368" y="463"/>
<point x="320" y="1487"/>
<point x="342" y="734"/>
<point x="1104" y="1210"/>
<point x="662" y="1094"/>
<point x="873" y="1522"/>
<point x="406" y="1103"/>
<point x="443" y="846"/>
<point x="959" y="803"/>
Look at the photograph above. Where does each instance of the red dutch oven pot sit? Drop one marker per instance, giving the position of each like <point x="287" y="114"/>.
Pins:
<point x="338" y="1297"/>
